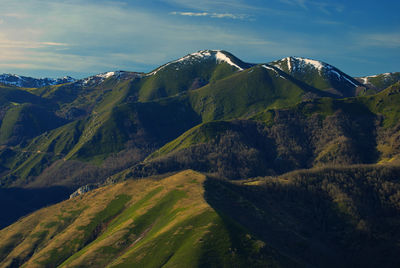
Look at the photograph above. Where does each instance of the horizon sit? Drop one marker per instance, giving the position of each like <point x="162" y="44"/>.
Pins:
<point x="43" y="38"/>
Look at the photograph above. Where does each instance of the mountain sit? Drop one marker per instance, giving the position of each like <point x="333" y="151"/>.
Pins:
<point x="241" y="153"/>
<point x="115" y="120"/>
<point x="29" y="82"/>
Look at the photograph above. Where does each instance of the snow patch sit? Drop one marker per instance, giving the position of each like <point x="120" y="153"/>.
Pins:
<point x="289" y="63"/>
<point x="272" y="69"/>
<point x="349" y="81"/>
<point x="297" y="63"/>
<point x="337" y="74"/>
<point x="222" y="57"/>
<point x="106" y="75"/>
<point x="364" y="80"/>
<point x="316" y="64"/>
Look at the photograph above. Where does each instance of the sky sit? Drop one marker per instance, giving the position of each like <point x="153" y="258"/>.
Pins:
<point x="55" y="38"/>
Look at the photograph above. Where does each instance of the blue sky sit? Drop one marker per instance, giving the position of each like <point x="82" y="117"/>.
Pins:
<point x="83" y="37"/>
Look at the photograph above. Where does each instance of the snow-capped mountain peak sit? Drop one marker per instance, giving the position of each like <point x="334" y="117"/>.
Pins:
<point x="379" y="81"/>
<point x="298" y="65"/>
<point x="367" y="79"/>
<point x="217" y="55"/>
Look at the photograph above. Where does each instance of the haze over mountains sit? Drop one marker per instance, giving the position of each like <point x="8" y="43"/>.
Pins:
<point x="221" y="120"/>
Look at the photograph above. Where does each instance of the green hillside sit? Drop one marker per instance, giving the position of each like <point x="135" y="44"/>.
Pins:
<point x="312" y="133"/>
<point x="143" y="223"/>
<point x="246" y="93"/>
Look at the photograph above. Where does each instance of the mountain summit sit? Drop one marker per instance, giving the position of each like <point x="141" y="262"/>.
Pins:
<point x="319" y="74"/>
<point x="218" y="56"/>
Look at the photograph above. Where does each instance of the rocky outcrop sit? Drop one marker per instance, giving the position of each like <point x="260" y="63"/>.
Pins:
<point x="84" y="189"/>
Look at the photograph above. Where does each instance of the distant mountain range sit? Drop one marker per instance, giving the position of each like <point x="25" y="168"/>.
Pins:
<point x="29" y="82"/>
<point x="287" y="163"/>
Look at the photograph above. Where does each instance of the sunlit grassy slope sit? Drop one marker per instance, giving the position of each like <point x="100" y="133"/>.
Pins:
<point x="329" y="217"/>
<point x="145" y="223"/>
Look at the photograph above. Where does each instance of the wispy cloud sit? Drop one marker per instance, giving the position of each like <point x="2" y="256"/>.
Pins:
<point x="211" y="15"/>
<point x="327" y="7"/>
<point x="388" y="40"/>
<point x="29" y="44"/>
<point x="74" y="36"/>
<point x="213" y="5"/>
<point x="300" y="3"/>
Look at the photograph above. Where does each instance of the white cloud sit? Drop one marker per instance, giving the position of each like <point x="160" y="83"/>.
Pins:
<point x="211" y="15"/>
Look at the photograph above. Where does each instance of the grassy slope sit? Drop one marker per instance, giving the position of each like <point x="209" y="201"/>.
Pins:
<point x="112" y="123"/>
<point x="177" y="78"/>
<point x="245" y="93"/>
<point x="67" y="140"/>
<point x="142" y="223"/>
<point x="25" y="121"/>
<point x="18" y="95"/>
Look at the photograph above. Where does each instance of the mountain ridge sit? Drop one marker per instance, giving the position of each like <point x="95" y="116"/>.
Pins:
<point x="288" y="64"/>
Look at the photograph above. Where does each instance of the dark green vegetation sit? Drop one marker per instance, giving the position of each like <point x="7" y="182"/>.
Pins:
<point x="325" y="217"/>
<point x="212" y="113"/>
